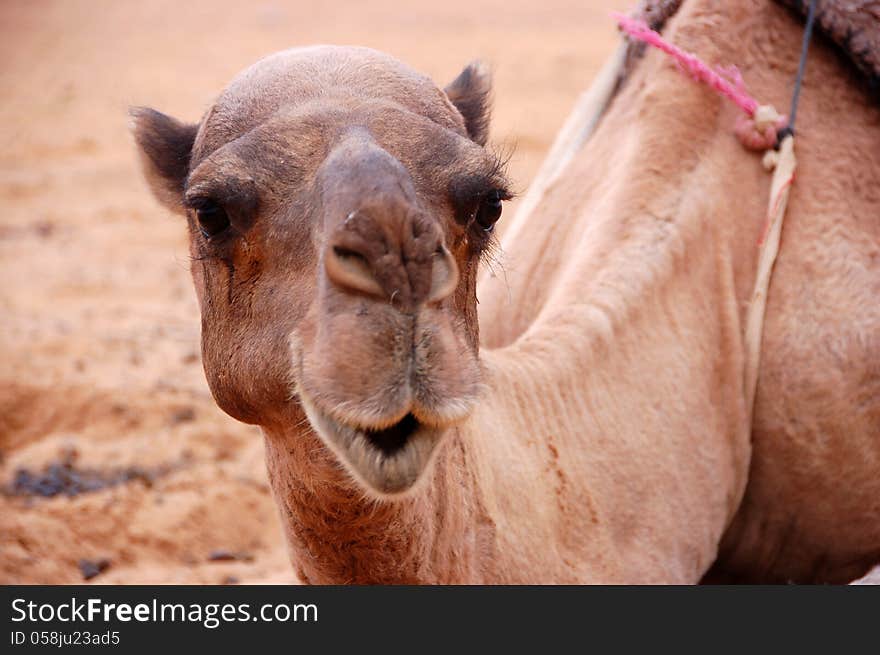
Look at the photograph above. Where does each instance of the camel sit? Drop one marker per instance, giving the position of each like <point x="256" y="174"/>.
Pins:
<point x="592" y="427"/>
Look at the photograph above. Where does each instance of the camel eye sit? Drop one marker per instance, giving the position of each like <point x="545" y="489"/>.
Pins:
<point x="490" y="210"/>
<point x="212" y="218"/>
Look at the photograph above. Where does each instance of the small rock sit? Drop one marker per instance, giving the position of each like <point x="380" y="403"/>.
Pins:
<point x="91" y="568"/>
<point x="183" y="415"/>
<point x="230" y="579"/>
<point x="229" y="556"/>
<point x="44" y="229"/>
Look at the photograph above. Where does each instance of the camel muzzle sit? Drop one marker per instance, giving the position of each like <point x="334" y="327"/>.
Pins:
<point x="387" y="461"/>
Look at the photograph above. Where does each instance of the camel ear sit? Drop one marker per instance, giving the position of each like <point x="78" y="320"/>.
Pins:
<point x="165" y="146"/>
<point x="471" y="93"/>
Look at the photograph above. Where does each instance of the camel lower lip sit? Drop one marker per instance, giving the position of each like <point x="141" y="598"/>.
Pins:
<point x="388" y="461"/>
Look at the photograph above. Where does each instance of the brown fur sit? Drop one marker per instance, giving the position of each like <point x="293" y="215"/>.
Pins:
<point x="165" y="145"/>
<point x="854" y="26"/>
<point x="471" y="93"/>
<point x="601" y="434"/>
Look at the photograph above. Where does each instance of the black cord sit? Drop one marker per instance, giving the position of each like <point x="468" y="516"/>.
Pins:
<point x="795" y="96"/>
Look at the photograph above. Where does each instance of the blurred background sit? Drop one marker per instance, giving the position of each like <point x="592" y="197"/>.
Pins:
<point x="115" y="464"/>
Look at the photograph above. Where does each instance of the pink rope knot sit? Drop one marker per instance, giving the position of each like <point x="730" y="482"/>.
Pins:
<point x="757" y="129"/>
<point x="758" y="132"/>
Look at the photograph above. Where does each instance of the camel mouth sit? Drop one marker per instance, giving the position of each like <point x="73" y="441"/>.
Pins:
<point x="391" y="439"/>
<point x="387" y="461"/>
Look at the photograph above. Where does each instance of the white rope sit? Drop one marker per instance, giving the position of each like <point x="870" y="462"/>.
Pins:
<point x="783" y="175"/>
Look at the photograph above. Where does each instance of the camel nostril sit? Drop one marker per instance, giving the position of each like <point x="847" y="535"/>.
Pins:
<point x="350" y="269"/>
<point x="339" y="251"/>
<point x="391" y="256"/>
<point x="444" y="275"/>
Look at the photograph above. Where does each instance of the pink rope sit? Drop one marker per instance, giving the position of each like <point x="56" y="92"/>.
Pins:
<point x="732" y="88"/>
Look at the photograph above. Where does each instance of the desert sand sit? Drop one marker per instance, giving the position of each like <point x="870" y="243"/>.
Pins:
<point x="115" y="464"/>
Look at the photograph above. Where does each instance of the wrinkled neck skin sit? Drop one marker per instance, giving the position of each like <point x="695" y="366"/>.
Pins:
<point x="612" y="441"/>
<point x="337" y="534"/>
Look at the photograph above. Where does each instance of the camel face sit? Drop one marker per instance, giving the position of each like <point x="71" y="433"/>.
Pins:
<point x="338" y="205"/>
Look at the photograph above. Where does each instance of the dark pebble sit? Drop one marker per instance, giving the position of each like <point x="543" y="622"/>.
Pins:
<point x="183" y="415"/>
<point x="91" y="568"/>
<point x="64" y="477"/>
<point x="229" y="556"/>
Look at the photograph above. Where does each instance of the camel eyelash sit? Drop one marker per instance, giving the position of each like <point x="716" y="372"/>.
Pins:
<point x="500" y="161"/>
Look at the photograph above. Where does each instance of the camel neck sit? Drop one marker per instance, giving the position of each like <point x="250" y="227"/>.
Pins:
<point x="338" y="535"/>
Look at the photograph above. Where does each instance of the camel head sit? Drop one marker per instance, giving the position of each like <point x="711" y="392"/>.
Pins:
<point x="338" y="205"/>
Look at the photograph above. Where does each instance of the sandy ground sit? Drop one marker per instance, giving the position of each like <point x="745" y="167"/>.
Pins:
<point x="113" y="458"/>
